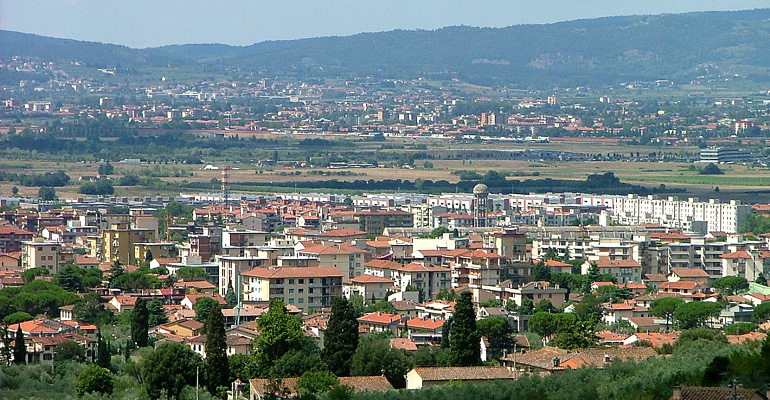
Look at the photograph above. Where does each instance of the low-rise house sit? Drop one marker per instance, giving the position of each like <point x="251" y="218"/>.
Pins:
<point x="190" y="299"/>
<point x="424" y="331"/>
<point x="185" y="328"/>
<point x="260" y="388"/>
<point x="757" y="298"/>
<point x="747" y="337"/>
<point x="236" y="344"/>
<point x="437" y="309"/>
<point x="654" y="339"/>
<point x="121" y="303"/>
<point x="679" y="288"/>
<point x="380" y="322"/>
<point x="422" y="377"/>
<point x="403" y="344"/>
<point x="196" y="286"/>
<point x="715" y="393"/>
<point x="550" y="359"/>
<point x="689" y="274"/>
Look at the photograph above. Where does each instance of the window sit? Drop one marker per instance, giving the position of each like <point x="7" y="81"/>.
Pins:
<point x="291" y="300"/>
<point x="310" y="281"/>
<point x="301" y="281"/>
<point x="301" y="291"/>
<point x="310" y="290"/>
<point x="291" y="281"/>
<point x="291" y="291"/>
<point x="301" y="300"/>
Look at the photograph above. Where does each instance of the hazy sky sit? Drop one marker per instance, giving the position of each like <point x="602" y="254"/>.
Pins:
<point x="143" y="23"/>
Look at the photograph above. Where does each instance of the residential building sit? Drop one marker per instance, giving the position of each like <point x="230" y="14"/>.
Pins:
<point x="422" y="377"/>
<point x="375" y="221"/>
<point x="231" y="268"/>
<point x="304" y="287"/>
<point x="119" y="240"/>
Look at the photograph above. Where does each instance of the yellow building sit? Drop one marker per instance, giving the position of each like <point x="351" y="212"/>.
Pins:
<point x="118" y="242"/>
<point x="158" y="250"/>
<point x="38" y="253"/>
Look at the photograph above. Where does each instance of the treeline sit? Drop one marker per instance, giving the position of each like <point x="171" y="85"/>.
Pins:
<point x="48" y="179"/>
<point x="701" y="357"/>
<point x="606" y="183"/>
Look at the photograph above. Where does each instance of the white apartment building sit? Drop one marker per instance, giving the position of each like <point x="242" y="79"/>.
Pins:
<point x="690" y="214"/>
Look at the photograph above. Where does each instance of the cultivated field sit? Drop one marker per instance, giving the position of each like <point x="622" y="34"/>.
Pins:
<point x="747" y="182"/>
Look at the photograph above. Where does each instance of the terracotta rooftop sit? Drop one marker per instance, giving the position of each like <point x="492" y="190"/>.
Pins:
<point x="464" y="373"/>
<point x="293" y="272"/>
<point x="690" y="273"/>
<point x="716" y="393"/>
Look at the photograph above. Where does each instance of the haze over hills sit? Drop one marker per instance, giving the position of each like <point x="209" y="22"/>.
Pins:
<point x="679" y="47"/>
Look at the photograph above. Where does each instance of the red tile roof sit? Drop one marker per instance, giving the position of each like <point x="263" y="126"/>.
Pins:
<point x="293" y="272"/>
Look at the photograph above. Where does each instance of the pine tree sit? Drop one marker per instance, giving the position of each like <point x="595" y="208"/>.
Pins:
<point x="217" y="368"/>
<point x="19" y="347"/>
<point x="140" y="318"/>
<point x="464" y="342"/>
<point x="340" y="337"/>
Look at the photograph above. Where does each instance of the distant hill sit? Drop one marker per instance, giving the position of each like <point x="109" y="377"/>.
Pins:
<point x="609" y="50"/>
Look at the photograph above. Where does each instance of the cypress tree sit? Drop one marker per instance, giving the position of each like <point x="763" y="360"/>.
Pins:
<point x="19" y="347"/>
<point x="445" y="328"/>
<point x="231" y="297"/>
<point x="217" y="368"/>
<point x="340" y="337"/>
<point x="464" y="342"/>
<point x="103" y="358"/>
<point x="7" y="353"/>
<point x="140" y="319"/>
<point x="127" y="352"/>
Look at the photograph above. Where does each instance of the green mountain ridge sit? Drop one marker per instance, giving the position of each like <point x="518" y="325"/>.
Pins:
<point x="609" y="50"/>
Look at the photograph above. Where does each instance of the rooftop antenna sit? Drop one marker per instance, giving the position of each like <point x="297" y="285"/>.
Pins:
<point x="226" y="184"/>
<point x="168" y="227"/>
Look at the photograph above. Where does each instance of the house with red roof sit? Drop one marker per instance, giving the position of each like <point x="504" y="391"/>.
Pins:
<point x="191" y="298"/>
<point x="121" y="303"/>
<point x="689" y="274"/>
<point x="380" y="322"/>
<point x="680" y="288"/>
<point x="424" y="331"/>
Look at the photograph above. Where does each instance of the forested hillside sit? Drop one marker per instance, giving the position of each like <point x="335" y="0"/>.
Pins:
<point x="680" y="47"/>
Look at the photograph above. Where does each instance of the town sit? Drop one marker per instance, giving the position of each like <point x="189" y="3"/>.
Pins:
<point x="196" y="226"/>
<point x="647" y="267"/>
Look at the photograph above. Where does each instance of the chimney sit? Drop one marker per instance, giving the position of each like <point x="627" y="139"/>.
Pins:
<point x="556" y="362"/>
<point x="677" y="393"/>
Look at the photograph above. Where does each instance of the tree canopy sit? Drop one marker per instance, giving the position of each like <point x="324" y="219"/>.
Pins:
<point x="170" y="368"/>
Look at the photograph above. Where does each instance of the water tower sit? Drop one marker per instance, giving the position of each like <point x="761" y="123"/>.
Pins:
<point x="481" y="193"/>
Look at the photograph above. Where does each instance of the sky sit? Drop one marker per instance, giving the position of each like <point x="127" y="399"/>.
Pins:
<point x="143" y="23"/>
